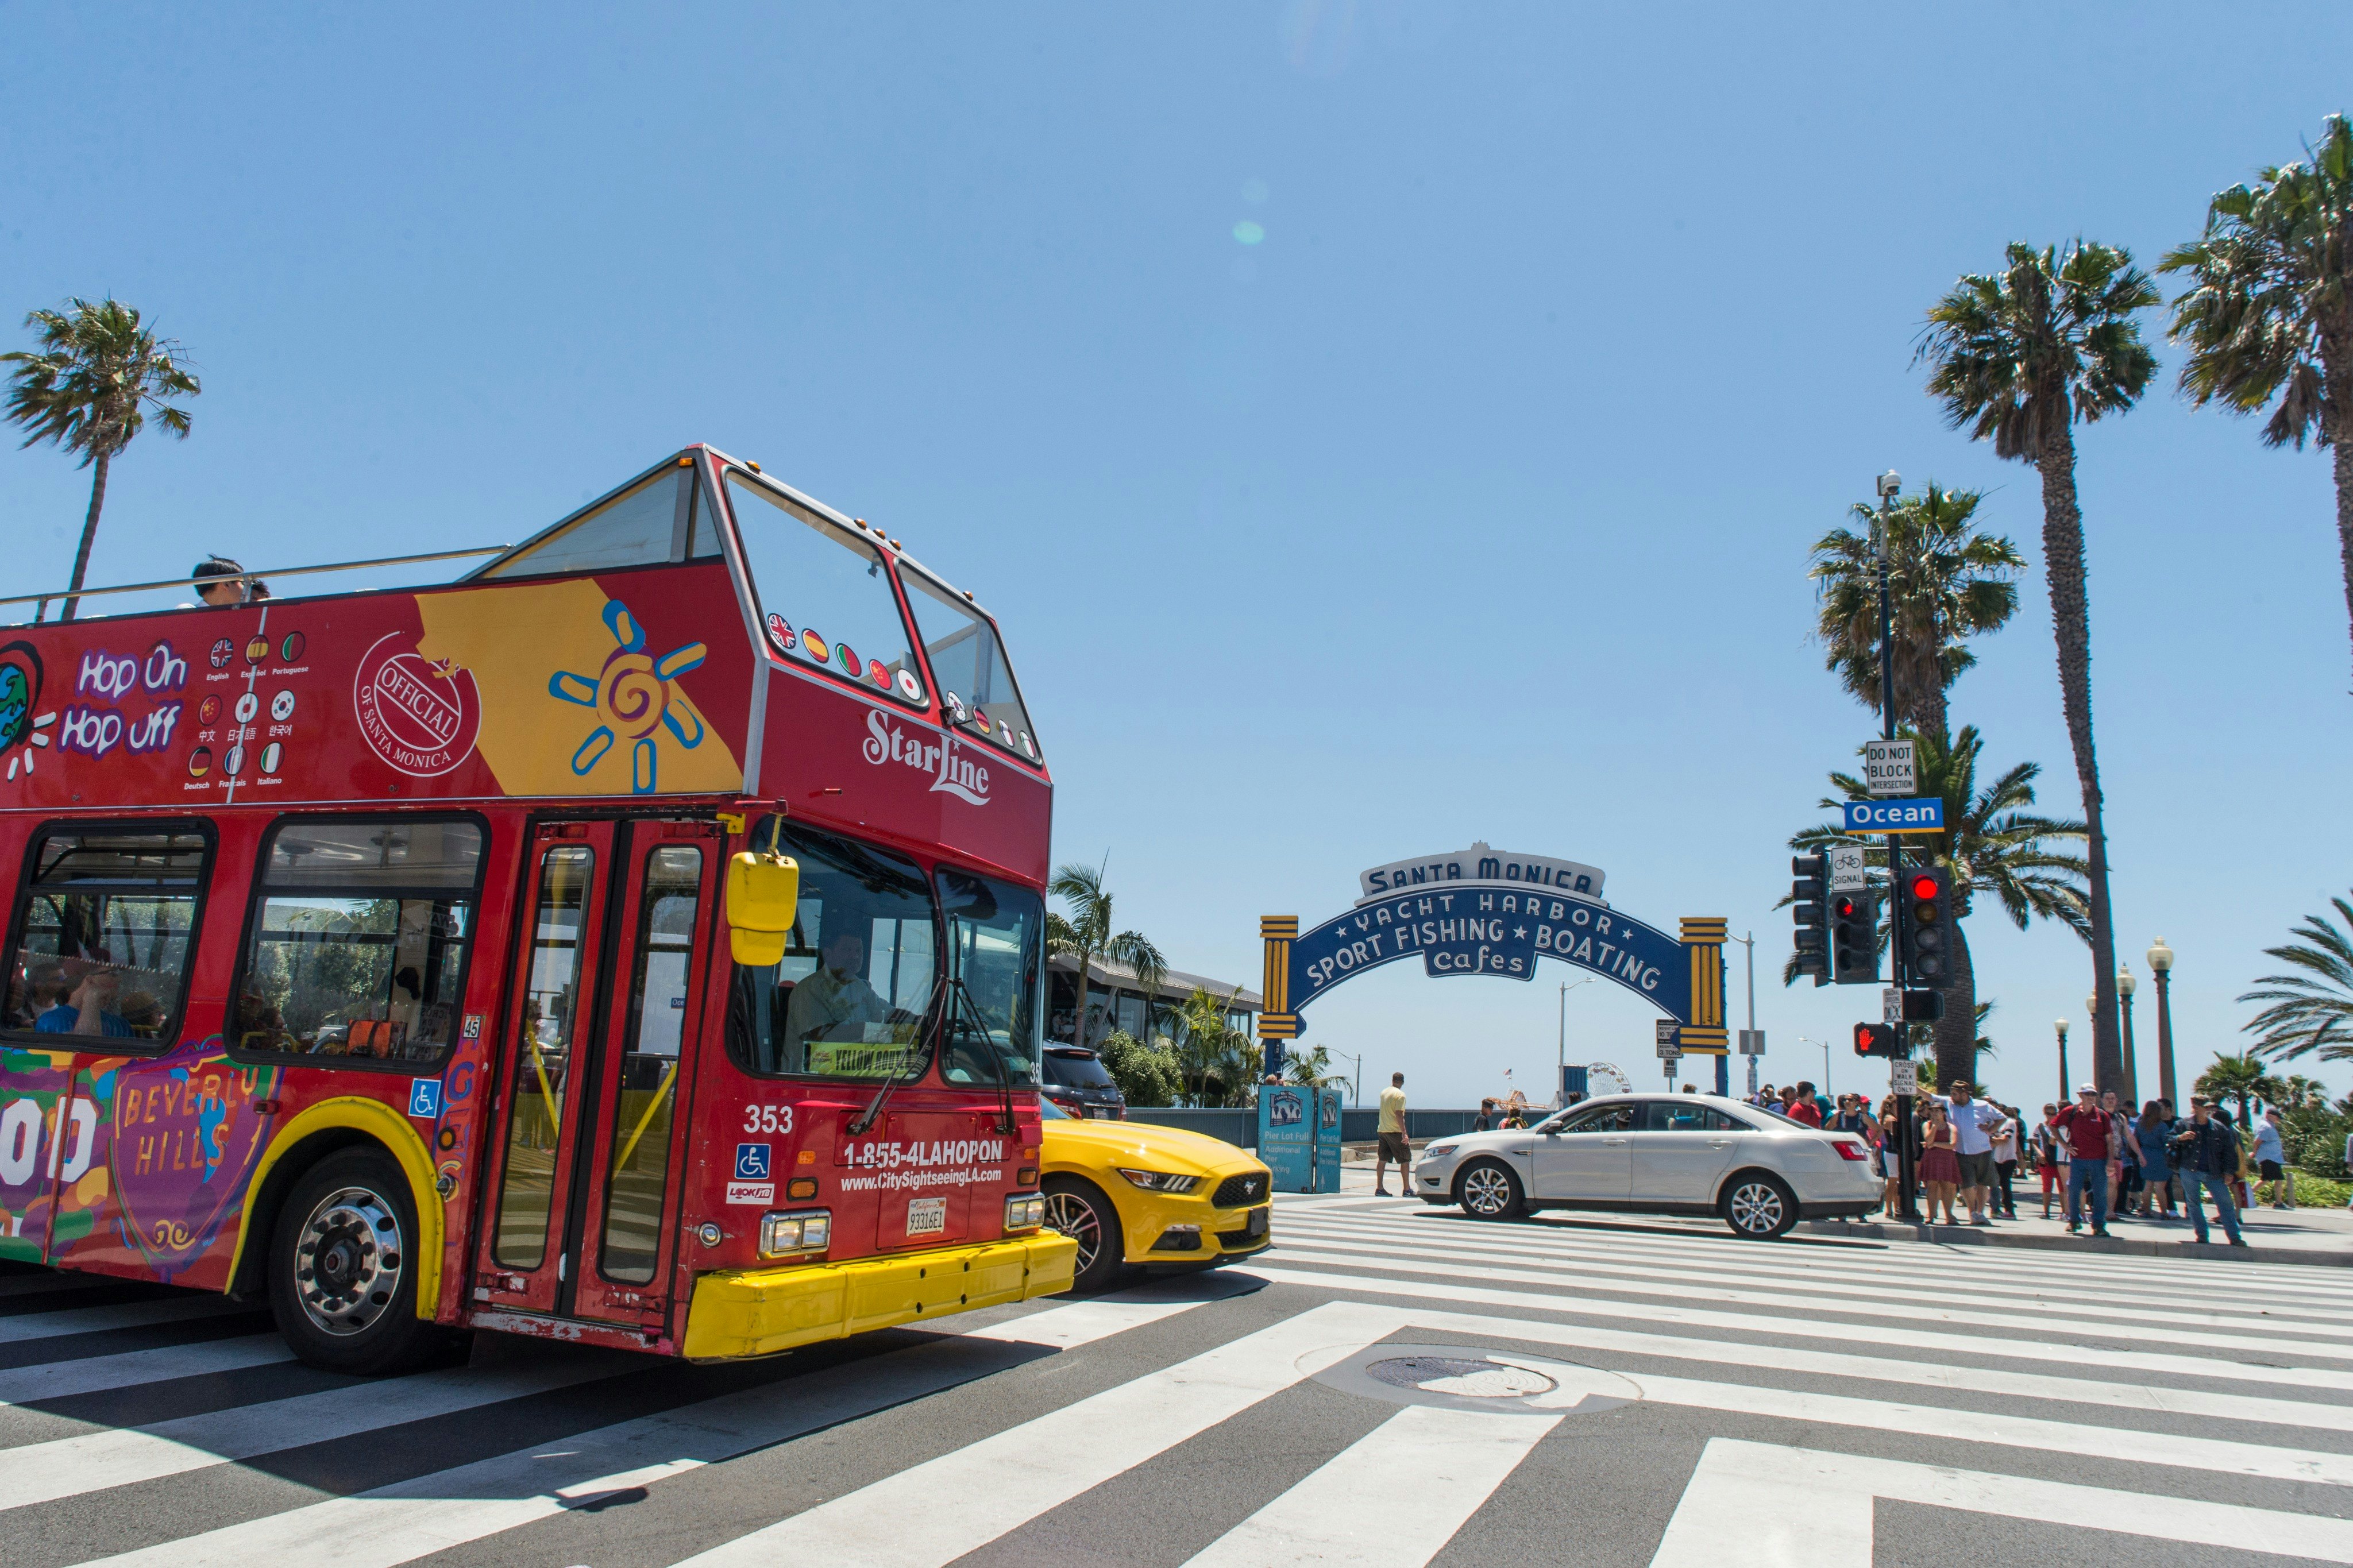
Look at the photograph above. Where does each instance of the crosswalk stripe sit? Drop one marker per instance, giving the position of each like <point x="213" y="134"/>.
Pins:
<point x="2315" y="1285"/>
<point x="98" y="1320"/>
<point x="1936" y="1284"/>
<point x="1916" y="1341"/>
<point x="1391" y="1499"/>
<point x="409" y="1520"/>
<point x="117" y="1456"/>
<point x="130" y="1369"/>
<point x="931" y="1513"/>
<point x="1803" y="1508"/>
<point x="1791" y="1300"/>
<point x="1067" y="1326"/>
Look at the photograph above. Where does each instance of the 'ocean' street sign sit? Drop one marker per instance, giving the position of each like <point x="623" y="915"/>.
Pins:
<point x="1926" y="816"/>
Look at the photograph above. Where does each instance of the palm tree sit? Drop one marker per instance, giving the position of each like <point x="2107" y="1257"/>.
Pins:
<point x="2243" y="1079"/>
<point x="1219" y="1063"/>
<point x="2269" y="313"/>
<point x="1995" y="847"/>
<point x="2312" y="1006"/>
<point x="89" y="389"/>
<point x="2020" y="356"/>
<point x="1946" y="582"/>
<point x="1312" y="1068"/>
<point x="1086" y="938"/>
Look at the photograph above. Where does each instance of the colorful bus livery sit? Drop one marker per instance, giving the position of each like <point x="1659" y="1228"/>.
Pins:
<point x="543" y="951"/>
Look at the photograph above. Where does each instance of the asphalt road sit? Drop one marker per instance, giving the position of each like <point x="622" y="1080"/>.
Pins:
<point x="1394" y="1385"/>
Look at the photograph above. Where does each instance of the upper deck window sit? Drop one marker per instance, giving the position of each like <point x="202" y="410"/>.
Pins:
<point x="650" y="524"/>
<point x="824" y="596"/>
<point x="358" y="947"/>
<point x="105" y="933"/>
<point x="968" y="661"/>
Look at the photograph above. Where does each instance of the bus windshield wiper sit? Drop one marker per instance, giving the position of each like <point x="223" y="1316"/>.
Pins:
<point x="1005" y="1122"/>
<point x="865" y="1118"/>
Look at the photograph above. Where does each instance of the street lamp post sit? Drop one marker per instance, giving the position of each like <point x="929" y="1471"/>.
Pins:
<point x="1810" y="1040"/>
<point x="1560" y="1077"/>
<point x="2160" y="962"/>
<point x="2064" y="1098"/>
<point x="2126" y="986"/>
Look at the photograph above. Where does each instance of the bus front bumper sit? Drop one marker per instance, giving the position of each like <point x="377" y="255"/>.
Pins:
<point x="759" y="1312"/>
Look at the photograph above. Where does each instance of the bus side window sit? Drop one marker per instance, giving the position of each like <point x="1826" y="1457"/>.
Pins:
<point x="359" y="939"/>
<point x="105" y="932"/>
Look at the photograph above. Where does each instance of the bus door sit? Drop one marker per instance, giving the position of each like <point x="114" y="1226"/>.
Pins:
<point x="581" y="1219"/>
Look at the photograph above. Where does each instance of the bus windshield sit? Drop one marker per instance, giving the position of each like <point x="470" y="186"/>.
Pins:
<point x="968" y="661"/>
<point x="824" y="597"/>
<point x="996" y="940"/>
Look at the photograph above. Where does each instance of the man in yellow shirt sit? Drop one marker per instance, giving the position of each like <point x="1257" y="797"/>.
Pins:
<point x="1393" y="1144"/>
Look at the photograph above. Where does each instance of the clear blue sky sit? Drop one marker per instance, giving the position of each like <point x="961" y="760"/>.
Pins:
<point x="1470" y="502"/>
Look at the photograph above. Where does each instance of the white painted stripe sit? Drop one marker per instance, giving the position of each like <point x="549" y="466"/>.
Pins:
<point x="128" y="1369"/>
<point x="97" y="1319"/>
<point x="1825" y="1366"/>
<point x="1885" y="1281"/>
<point x="1393" y="1499"/>
<point x="1915" y="1341"/>
<point x="2063" y="1268"/>
<point x="413" y="1519"/>
<point x="1070" y="1326"/>
<point x="1803" y="1508"/>
<point x="1693" y="1288"/>
<point x="931" y="1513"/>
<point x="119" y="1456"/>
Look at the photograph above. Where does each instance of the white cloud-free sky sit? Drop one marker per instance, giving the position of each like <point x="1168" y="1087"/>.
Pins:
<point x="1377" y="426"/>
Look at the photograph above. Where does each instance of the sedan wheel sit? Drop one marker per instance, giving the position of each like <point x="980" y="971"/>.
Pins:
<point x="1489" y="1191"/>
<point x="1759" y="1208"/>
<point x="1079" y="1211"/>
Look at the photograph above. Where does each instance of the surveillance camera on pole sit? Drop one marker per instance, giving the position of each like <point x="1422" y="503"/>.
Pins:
<point x="1889" y="484"/>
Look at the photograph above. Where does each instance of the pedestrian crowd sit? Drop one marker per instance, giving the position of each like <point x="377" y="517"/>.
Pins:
<point x="2093" y="1158"/>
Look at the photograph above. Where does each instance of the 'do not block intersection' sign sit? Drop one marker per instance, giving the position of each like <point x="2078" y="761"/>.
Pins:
<point x="1481" y="912"/>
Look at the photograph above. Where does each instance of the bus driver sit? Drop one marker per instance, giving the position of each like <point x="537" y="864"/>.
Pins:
<point x="835" y="1003"/>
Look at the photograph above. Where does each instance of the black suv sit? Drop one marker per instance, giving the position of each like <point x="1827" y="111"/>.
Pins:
<point x="1076" y="1081"/>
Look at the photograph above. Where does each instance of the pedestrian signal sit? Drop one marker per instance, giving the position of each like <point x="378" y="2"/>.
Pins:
<point x="1805" y="908"/>
<point x="1927" y="894"/>
<point x="1854" y="939"/>
<point x="1876" y="1040"/>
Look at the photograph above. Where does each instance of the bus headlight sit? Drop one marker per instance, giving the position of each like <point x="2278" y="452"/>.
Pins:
<point x="1025" y="1211"/>
<point x="783" y="1235"/>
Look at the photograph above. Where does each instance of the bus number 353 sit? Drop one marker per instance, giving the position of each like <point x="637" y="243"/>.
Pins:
<point x="767" y="1119"/>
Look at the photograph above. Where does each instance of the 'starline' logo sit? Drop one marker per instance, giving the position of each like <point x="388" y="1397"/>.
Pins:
<point x="953" y="770"/>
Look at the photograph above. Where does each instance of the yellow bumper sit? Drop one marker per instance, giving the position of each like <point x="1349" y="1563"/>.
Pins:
<point x="758" y="1311"/>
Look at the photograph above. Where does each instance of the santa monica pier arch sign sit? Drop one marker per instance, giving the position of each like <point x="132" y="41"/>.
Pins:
<point x="1479" y="912"/>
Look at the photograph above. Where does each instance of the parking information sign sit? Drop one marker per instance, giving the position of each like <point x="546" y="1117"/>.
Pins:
<point x="1670" y="1041"/>
<point x="1887" y="767"/>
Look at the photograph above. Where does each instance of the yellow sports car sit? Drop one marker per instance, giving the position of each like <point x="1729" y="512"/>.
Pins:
<point x="1132" y="1193"/>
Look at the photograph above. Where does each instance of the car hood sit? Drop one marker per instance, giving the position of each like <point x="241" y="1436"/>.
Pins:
<point x="1508" y="1139"/>
<point x="1139" y="1143"/>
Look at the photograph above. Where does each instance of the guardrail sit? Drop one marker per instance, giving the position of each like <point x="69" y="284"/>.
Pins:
<point x="1239" y="1125"/>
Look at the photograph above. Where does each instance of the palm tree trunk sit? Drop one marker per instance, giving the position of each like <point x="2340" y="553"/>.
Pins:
<point x="89" y="534"/>
<point x="1957" y="1031"/>
<point x="2341" y="444"/>
<point x="2070" y="624"/>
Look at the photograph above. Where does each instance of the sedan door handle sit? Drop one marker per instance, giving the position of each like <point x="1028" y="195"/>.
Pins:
<point x="1719" y="1143"/>
<point x="1613" y="1143"/>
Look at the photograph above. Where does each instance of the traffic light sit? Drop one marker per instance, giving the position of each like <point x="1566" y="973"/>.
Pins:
<point x="1854" y="939"/>
<point x="1876" y="1040"/>
<point x="1806" y="895"/>
<point x="1927" y="891"/>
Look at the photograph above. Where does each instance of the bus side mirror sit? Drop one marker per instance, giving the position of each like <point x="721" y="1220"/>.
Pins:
<point x="764" y="896"/>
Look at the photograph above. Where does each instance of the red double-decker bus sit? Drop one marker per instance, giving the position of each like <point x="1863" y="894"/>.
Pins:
<point x="636" y="942"/>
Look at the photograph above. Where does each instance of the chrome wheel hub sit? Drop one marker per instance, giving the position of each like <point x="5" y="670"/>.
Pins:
<point x="347" y="1263"/>
<point x="1487" y="1191"/>
<point x="1756" y="1208"/>
<point x="1074" y="1219"/>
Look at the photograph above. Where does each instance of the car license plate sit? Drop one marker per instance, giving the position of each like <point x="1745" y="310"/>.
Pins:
<point x="926" y="1216"/>
<point x="1100" y="1113"/>
<point x="1256" y="1225"/>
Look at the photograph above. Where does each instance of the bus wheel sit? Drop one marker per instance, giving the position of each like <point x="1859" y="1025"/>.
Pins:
<point x="1080" y="1212"/>
<point x="342" y="1283"/>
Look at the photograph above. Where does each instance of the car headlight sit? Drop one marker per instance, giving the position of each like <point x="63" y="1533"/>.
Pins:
<point x="782" y="1234"/>
<point x="1160" y="1181"/>
<point x="1025" y="1211"/>
<point x="1432" y="1151"/>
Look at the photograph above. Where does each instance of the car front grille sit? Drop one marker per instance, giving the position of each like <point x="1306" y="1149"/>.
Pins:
<point x="1236" y="1192"/>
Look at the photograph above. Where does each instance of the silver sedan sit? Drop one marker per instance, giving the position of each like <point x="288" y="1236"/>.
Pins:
<point x="1658" y="1153"/>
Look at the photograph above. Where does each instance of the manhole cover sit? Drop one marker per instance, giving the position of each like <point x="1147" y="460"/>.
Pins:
<point x="1465" y="1377"/>
<point x="1474" y="1379"/>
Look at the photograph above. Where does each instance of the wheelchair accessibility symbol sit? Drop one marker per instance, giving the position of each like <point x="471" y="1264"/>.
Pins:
<point x="751" y="1161"/>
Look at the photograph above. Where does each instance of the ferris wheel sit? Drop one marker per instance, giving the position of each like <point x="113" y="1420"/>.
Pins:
<point x="1601" y="1078"/>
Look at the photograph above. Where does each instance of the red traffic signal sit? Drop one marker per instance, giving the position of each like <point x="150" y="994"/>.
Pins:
<point x="1876" y="1040"/>
<point x="1925" y="885"/>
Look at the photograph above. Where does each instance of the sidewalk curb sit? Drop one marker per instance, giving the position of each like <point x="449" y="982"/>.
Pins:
<point x="2130" y="1246"/>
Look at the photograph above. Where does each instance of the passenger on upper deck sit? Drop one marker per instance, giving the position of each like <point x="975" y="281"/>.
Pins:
<point x="219" y="582"/>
